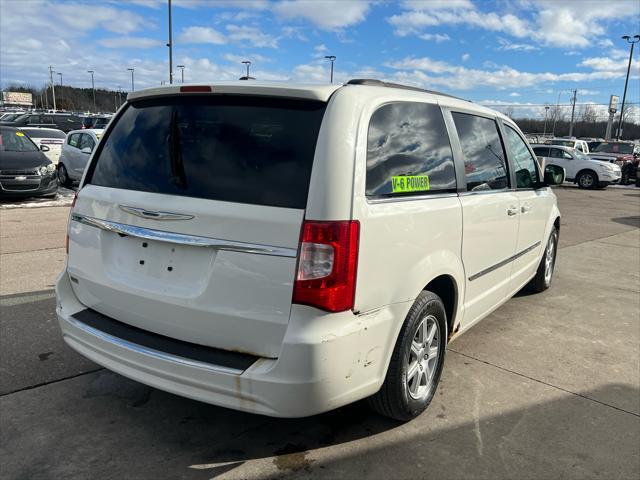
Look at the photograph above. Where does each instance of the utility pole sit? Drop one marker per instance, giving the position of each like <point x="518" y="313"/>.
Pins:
<point x="170" y="45"/>
<point x="131" y="70"/>
<point x="331" y="58"/>
<point x="53" y="87"/>
<point x="573" y="111"/>
<point x="93" y="89"/>
<point x="624" y="95"/>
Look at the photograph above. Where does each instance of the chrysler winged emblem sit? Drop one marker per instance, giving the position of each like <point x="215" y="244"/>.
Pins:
<point x="144" y="213"/>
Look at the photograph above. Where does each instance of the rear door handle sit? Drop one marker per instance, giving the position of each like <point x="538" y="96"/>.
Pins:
<point x="513" y="210"/>
<point x="525" y="208"/>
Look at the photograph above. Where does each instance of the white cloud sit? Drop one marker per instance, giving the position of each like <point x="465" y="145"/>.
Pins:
<point x="130" y="42"/>
<point x="430" y="72"/>
<point x="514" y="94"/>
<point x="436" y="37"/>
<point x="322" y="48"/>
<point x="253" y="35"/>
<point x="507" y="45"/>
<point x="560" y="24"/>
<point x="465" y="57"/>
<point x="196" y="34"/>
<point x="327" y="14"/>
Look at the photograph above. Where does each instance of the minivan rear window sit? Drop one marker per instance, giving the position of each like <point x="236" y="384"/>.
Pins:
<point x="244" y="149"/>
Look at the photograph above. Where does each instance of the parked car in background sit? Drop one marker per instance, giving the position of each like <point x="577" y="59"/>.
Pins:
<point x="61" y="121"/>
<point x="50" y="137"/>
<point x="624" y="154"/>
<point x="75" y="154"/>
<point x="218" y="233"/>
<point x="24" y="168"/>
<point x="587" y="172"/>
<point x="579" y="145"/>
<point x="594" y="144"/>
<point x="97" y="121"/>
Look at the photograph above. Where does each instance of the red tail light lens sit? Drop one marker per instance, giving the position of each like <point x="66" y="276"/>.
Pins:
<point x="326" y="276"/>
<point x="66" y="240"/>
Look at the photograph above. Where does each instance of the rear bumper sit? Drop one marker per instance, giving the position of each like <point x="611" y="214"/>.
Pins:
<point x="327" y="360"/>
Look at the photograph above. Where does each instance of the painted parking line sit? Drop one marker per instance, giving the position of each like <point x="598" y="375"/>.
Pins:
<point x="29" y="298"/>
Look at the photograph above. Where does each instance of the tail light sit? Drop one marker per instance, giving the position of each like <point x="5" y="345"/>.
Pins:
<point x="73" y="204"/>
<point x="326" y="276"/>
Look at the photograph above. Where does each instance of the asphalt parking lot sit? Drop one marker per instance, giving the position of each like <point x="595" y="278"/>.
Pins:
<point x="548" y="386"/>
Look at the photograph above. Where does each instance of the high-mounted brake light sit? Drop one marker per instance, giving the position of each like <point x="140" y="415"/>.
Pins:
<point x="195" y="88"/>
<point x="326" y="276"/>
<point x="66" y="240"/>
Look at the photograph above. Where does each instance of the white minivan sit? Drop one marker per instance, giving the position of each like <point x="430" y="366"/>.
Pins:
<point x="285" y="249"/>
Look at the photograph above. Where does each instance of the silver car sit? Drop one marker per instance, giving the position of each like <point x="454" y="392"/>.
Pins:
<point x="75" y="154"/>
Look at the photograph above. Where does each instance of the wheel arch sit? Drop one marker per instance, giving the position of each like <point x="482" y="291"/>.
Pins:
<point x="446" y="288"/>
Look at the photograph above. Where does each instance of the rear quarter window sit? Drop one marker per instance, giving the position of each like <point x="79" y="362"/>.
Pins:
<point x="408" y="151"/>
<point x="256" y="150"/>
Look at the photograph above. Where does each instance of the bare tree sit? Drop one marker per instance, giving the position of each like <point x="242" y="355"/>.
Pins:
<point x="588" y="113"/>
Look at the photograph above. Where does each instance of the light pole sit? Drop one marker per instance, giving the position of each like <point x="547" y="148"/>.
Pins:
<point x="248" y="64"/>
<point x="170" y="45"/>
<point x="53" y="87"/>
<point x="181" y="67"/>
<point x="636" y="39"/>
<point x="60" y="74"/>
<point x="131" y="70"/>
<point x="546" y="112"/>
<point x="331" y="58"/>
<point x="93" y="89"/>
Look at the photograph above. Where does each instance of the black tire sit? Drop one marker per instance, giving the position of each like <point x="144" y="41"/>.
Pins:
<point x="542" y="281"/>
<point x="625" y="180"/>
<point x="587" y="179"/>
<point x="394" y="398"/>
<point x="63" y="176"/>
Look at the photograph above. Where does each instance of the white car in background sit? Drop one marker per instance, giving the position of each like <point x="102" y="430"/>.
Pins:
<point x="587" y="172"/>
<point x="51" y="137"/>
<point x="76" y="151"/>
<point x="579" y="145"/>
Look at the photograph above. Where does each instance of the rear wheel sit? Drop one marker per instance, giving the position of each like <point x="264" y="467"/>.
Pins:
<point x="416" y="362"/>
<point x="63" y="176"/>
<point x="587" y="179"/>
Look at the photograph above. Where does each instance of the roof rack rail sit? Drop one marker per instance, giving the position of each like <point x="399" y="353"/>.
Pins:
<point x="379" y="83"/>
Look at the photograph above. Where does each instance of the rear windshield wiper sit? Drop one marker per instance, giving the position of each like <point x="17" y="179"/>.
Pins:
<point x="178" y="175"/>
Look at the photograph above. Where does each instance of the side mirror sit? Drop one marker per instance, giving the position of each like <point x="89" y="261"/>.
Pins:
<point x="44" y="148"/>
<point x="554" y="175"/>
<point x="86" y="150"/>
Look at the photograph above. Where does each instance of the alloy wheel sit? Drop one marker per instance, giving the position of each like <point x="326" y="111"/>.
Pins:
<point x="423" y="357"/>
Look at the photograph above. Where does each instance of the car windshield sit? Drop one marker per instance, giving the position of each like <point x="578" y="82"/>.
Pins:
<point x="15" y="141"/>
<point x="564" y="143"/>
<point x="19" y="118"/>
<point x="10" y="117"/>
<point x="625" y="148"/>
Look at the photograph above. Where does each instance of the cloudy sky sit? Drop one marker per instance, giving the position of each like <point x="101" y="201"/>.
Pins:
<point x="518" y="52"/>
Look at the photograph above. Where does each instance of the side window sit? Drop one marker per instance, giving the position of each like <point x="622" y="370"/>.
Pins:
<point x="408" y="151"/>
<point x="523" y="162"/>
<point x="541" y="151"/>
<point x="86" y="141"/>
<point x="46" y="119"/>
<point x="557" y="153"/>
<point x="33" y="119"/>
<point x="484" y="164"/>
<point x="74" y="140"/>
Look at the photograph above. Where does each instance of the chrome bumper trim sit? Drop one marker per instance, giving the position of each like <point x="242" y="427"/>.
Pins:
<point x="182" y="239"/>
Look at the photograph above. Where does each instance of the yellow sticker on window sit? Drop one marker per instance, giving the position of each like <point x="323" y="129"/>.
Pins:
<point x="20" y="134"/>
<point x="410" y="183"/>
